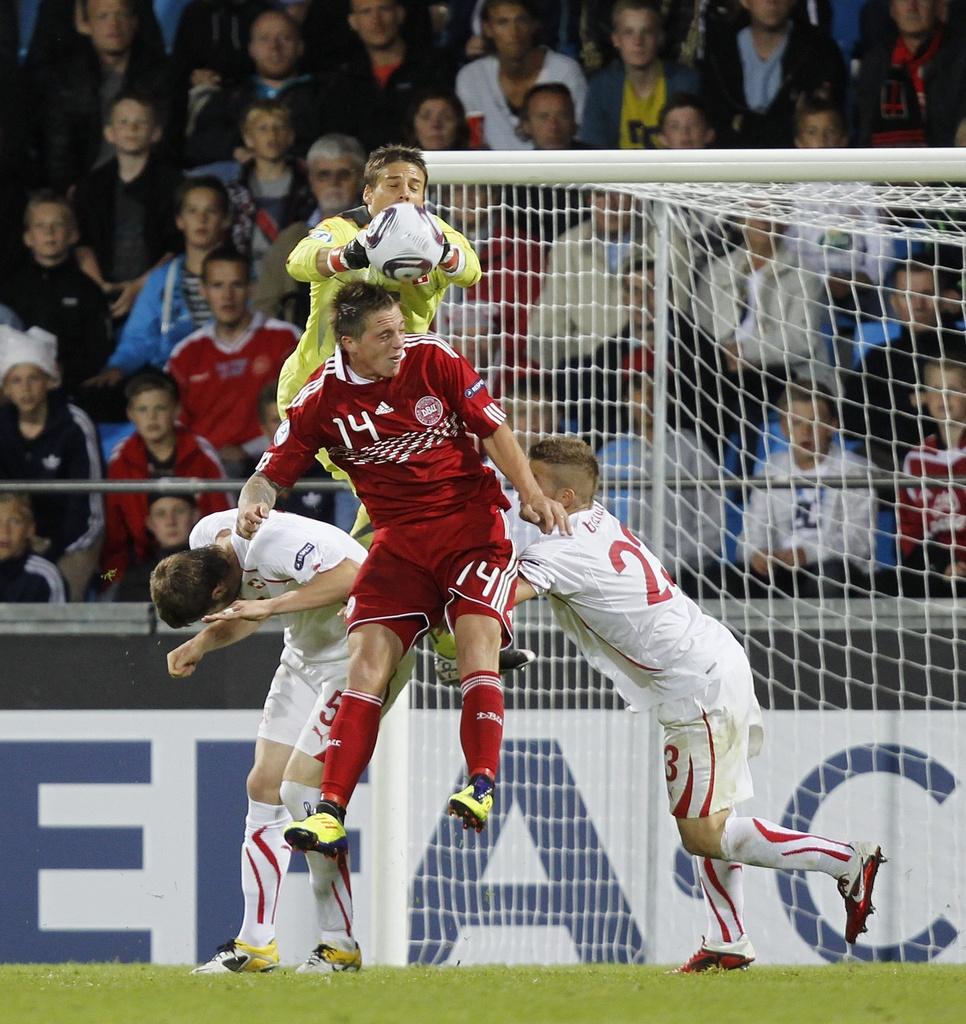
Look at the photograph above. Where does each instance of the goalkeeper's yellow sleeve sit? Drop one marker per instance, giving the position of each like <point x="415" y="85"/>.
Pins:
<point x="333" y="231"/>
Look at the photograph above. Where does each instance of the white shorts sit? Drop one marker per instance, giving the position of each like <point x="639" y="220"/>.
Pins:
<point x="304" y="697"/>
<point x="709" y="738"/>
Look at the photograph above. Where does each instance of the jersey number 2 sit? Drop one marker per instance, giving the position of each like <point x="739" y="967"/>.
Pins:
<point x="632" y="546"/>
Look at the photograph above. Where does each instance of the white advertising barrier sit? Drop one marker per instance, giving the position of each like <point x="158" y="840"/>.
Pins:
<point x="122" y="831"/>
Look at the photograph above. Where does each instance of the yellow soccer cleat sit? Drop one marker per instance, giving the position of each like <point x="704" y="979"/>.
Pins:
<point x="473" y="804"/>
<point x="318" y="833"/>
<point x="326" y="959"/>
<point x="237" y="957"/>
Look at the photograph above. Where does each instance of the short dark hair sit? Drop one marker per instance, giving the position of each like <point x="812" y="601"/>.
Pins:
<point x="226" y="254"/>
<point x="182" y="584"/>
<point x="570" y="453"/>
<point x="353" y="304"/>
<point x="151" y="380"/>
<point x="684" y="101"/>
<point x="636" y="5"/>
<point x="134" y="96"/>
<point x="208" y="181"/>
<point x="810" y="103"/>
<point x="462" y="140"/>
<point x="811" y="393"/>
<point x="546" y="89"/>
<point x="528" y="5"/>
<point x="266" y="397"/>
<point x="381" y="158"/>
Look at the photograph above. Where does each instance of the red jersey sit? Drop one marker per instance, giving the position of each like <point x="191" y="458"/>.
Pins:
<point x="126" y="532"/>
<point x="934" y="513"/>
<point x="403" y="441"/>
<point x="220" y="381"/>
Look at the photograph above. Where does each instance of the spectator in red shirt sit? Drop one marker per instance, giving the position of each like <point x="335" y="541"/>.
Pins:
<point x="158" y="448"/>
<point x="932" y="526"/>
<point x="221" y="368"/>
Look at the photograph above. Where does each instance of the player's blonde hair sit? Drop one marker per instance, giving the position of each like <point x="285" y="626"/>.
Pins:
<point x="21" y="502"/>
<point x="570" y="460"/>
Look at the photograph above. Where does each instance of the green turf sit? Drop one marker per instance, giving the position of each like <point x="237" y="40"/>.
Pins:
<point x="143" y="994"/>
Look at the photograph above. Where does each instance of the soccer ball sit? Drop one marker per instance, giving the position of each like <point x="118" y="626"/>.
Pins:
<point x="403" y="242"/>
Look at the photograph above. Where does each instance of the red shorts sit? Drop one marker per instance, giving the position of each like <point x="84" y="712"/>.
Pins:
<point x="416" y="574"/>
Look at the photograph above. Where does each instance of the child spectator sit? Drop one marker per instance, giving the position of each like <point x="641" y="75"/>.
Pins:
<point x="330" y="506"/>
<point x="813" y="537"/>
<point x="50" y="291"/>
<point x="684" y="123"/>
<point x="625" y="99"/>
<point x="158" y="448"/>
<point x="124" y="207"/>
<point x="171" y="304"/>
<point x="752" y="76"/>
<point x="932" y="529"/>
<point x="692" y="512"/>
<point x="43" y="437"/>
<point x="221" y="368"/>
<point x="271" y="190"/>
<point x="168" y="524"/>
<point x="24" y="576"/>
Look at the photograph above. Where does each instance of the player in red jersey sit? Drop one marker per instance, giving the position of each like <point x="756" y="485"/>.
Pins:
<point x="393" y="411"/>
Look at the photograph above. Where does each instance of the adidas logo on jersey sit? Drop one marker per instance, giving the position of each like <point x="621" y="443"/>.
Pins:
<point x="383" y="410"/>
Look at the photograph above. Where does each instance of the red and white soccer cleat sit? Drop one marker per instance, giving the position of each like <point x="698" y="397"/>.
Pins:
<point x="731" y="956"/>
<point x="856" y="888"/>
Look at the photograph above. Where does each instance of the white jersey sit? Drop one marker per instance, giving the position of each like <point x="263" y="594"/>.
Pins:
<point x="287" y="552"/>
<point x="616" y="601"/>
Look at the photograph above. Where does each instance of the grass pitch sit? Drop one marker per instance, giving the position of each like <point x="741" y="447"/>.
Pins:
<point x="144" y="994"/>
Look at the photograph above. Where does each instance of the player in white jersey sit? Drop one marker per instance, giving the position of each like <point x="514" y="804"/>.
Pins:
<point x="613" y="597"/>
<point x="302" y="570"/>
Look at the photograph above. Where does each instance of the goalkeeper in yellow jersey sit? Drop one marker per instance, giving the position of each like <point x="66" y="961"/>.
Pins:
<point x="330" y="255"/>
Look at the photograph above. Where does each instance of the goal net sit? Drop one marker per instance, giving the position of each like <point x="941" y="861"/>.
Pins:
<point x="773" y="375"/>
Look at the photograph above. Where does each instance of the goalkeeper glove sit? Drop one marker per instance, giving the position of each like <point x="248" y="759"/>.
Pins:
<point x="351" y="256"/>
<point x="451" y="262"/>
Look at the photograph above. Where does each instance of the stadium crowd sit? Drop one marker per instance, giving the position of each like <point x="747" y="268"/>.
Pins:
<point x="159" y="163"/>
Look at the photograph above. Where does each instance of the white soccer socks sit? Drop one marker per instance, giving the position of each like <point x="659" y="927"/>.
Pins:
<point x="329" y="878"/>
<point x="724" y="901"/>
<point x="766" y="845"/>
<point x="264" y="861"/>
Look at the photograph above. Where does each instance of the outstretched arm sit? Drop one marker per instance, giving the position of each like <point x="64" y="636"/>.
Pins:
<point x="256" y="500"/>
<point x="326" y="588"/>
<point x="535" y="507"/>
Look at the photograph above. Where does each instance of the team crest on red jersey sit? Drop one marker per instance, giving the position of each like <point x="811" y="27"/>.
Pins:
<point x="429" y="410"/>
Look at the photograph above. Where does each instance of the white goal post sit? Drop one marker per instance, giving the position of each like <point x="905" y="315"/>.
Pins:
<point x="687" y="312"/>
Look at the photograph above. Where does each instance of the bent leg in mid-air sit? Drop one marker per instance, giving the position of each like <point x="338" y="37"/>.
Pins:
<point x="708" y="740"/>
<point x="478" y="639"/>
